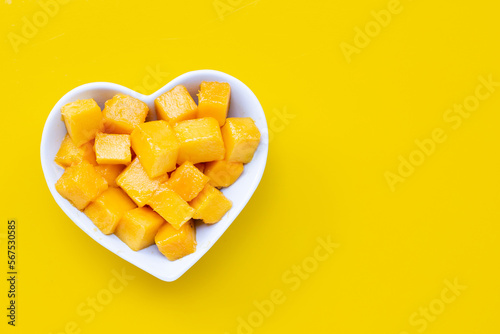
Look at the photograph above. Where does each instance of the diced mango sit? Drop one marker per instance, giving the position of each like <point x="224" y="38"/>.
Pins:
<point x="210" y="205"/>
<point x="162" y="178"/>
<point x="68" y="154"/>
<point x="200" y="140"/>
<point x="171" y="206"/>
<point x="80" y="184"/>
<point x="107" y="209"/>
<point x="187" y="181"/>
<point x="200" y="166"/>
<point x="83" y="119"/>
<point x="88" y="152"/>
<point x="138" y="227"/>
<point x="213" y="100"/>
<point x="123" y="112"/>
<point x="137" y="184"/>
<point x="223" y="173"/>
<point x="241" y="138"/>
<point x="176" y="243"/>
<point x="175" y="105"/>
<point x="112" y="149"/>
<point x="156" y="145"/>
<point x="110" y="173"/>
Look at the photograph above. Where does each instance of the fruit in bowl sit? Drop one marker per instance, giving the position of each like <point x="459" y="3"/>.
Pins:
<point x="150" y="181"/>
<point x="243" y="103"/>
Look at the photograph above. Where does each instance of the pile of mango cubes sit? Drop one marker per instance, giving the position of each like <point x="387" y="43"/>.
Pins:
<point x="147" y="182"/>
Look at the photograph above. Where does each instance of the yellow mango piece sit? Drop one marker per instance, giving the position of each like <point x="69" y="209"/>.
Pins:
<point x="80" y="184"/>
<point x="241" y="138"/>
<point x="112" y="149"/>
<point x="176" y="243"/>
<point x="187" y="181"/>
<point x="156" y="145"/>
<point x="162" y="178"/>
<point x="201" y="167"/>
<point x="110" y="173"/>
<point x="83" y="119"/>
<point x="88" y="152"/>
<point x="68" y="154"/>
<point x="200" y="140"/>
<point x="213" y="100"/>
<point x="122" y="113"/>
<point x="137" y="184"/>
<point x="210" y="205"/>
<point x="175" y="105"/>
<point x="223" y="173"/>
<point x="107" y="209"/>
<point x="170" y="205"/>
<point x="138" y="228"/>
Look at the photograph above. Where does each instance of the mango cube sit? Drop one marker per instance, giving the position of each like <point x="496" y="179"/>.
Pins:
<point x="88" y="152"/>
<point x="187" y="181"/>
<point x="210" y="205"/>
<point x="156" y="145"/>
<point x="123" y="113"/>
<point x="213" y="100"/>
<point x="241" y="138"/>
<point x="223" y="173"/>
<point x="83" y="119"/>
<point x="138" y="228"/>
<point x="107" y="210"/>
<point x="200" y="140"/>
<point x="162" y="178"/>
<point x="170" y="205"/>
<point x="80" y="184"/>
<point x="137" y="184"/>
<point x="69" y="154"/>
<point x="112" y="149"/>
<point x="176" y="243"/>
<point x="110" y="173"/>
<point x="175" y="105"/>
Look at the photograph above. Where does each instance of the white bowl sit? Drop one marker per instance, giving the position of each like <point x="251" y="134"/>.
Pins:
<point x="244" y="103"/>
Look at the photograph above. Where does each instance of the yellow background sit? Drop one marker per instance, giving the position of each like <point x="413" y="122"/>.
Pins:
<point x="347" y="124"/>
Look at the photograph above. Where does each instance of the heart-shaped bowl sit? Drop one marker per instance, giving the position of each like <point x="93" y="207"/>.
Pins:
<point x="244" y="103"/>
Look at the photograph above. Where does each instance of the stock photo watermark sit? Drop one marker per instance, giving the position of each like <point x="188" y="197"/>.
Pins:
<point x="224" y="8"/>
<point x="154" y="79"/>
<point x="293" y="278"/>
<point x="278" y="120"/>
<point x="93" y="305"/>
<point x="31" y="25"/>
<point x="421" y="319"/>
<point x="454" y="118"/>
<point x="12" y="269"/>
<point x="363" y="36"/>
